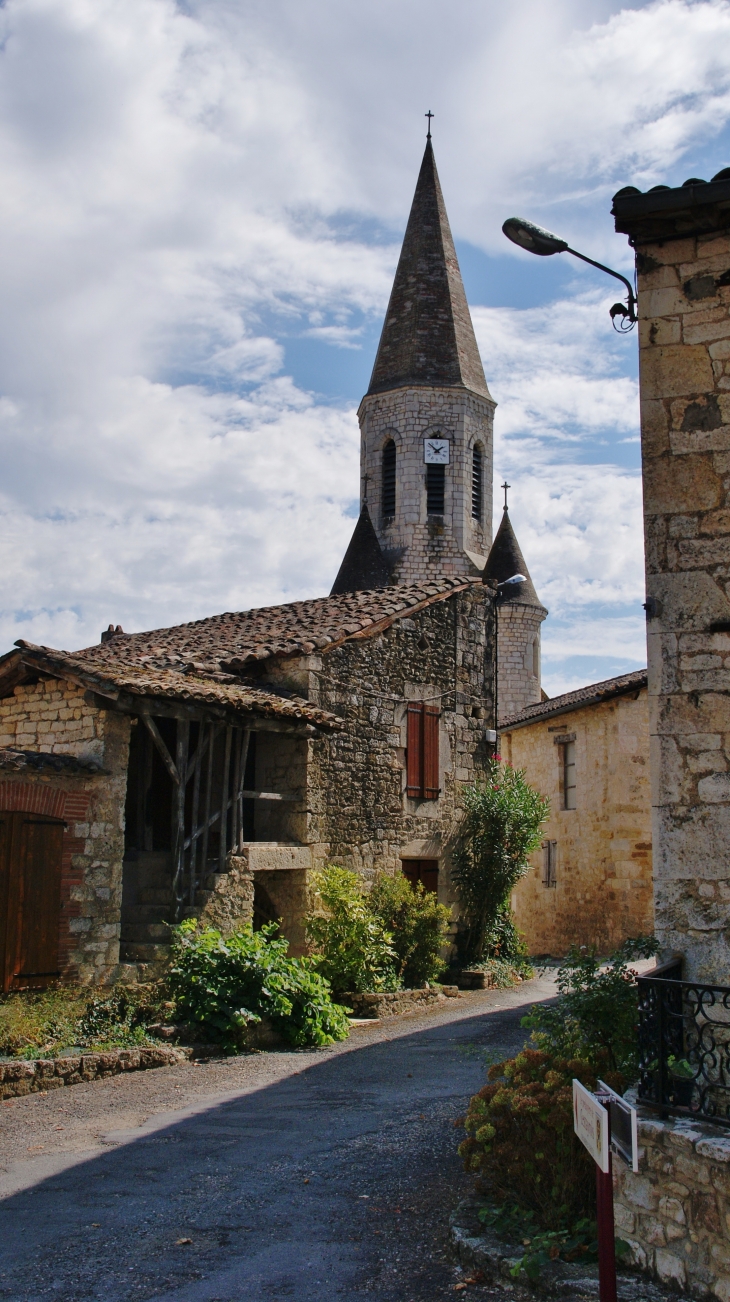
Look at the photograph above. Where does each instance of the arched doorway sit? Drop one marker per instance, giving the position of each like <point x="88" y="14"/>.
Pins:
<point x="30" y="898"/>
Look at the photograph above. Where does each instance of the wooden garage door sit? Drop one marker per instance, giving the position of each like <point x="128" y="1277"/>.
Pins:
<point x="30" y="899"/>
<point x="425" y="871"/>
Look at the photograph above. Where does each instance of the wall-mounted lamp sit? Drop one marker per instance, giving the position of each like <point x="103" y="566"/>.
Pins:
<point x="543" y="243"/>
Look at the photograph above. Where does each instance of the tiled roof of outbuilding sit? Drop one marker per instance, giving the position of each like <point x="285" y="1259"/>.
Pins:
<point x="237" y="640"/>
<point x="594" y="694"/>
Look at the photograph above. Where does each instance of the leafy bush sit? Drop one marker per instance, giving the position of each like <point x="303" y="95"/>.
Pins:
<point x="356" y="953"/>
<point x="501" y="827"/>
<point x="521" y="1141"/>
<point x="227" y="985"/>
<point x="418" y="925"/>
<point x="595" y="1016"/>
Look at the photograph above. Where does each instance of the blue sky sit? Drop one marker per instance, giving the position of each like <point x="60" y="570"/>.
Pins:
<point x="201" y="207"/>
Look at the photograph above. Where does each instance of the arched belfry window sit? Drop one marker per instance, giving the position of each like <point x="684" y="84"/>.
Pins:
<point x="387" y="495"/>
<point x="477" y="482"/>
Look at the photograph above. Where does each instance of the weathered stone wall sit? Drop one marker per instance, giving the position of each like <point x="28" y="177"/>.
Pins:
<point x="685" y="422"/>
<point x="358" y="810"/>
<point x="675" y="1213"/>
<point x="518" y="651"/>
<point x="419" y="546"/>
<point x="603" y="891"/>
<point x="53" y="717"/>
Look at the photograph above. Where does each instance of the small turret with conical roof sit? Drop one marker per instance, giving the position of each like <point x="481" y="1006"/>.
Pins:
<point x="426" y="420"/>
<point x="520" y="613"/>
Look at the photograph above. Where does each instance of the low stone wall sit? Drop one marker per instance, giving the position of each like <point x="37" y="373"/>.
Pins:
<point x="401" y="1001"/>
<point x="675" y="1214"/>
<point x="53" y="1073"/>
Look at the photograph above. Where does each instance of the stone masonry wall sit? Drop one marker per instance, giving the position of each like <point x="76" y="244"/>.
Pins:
<point x="519" y="630"/>
<point x="603" y="891"/>
<point x="358" y="811"/>
<point x="684" y="343"/>
<point x="675" y="1213"/>
<point x="418" y="545"/>
<point x="53" y="717"/>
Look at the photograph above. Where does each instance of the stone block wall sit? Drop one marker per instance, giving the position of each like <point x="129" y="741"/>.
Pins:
<point x="675" y="1213"/>
<point x="358" y="810"/>
<point x="416" y="544"/>
<point x="603" y="890"/>
<point x="519" y="633"/>
<point x="53" y="717"/>
<point x="685" y="416"/>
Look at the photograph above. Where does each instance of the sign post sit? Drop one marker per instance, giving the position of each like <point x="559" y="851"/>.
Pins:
<point x="592" y="1125"/>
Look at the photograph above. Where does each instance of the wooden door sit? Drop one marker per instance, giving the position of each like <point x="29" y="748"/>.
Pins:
<point x="425" y="871"/>
<point x="30" y="899"/>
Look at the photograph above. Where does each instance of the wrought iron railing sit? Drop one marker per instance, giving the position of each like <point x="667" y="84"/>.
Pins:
<point x="684" y="1045"/>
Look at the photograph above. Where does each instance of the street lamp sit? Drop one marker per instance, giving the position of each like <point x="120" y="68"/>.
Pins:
<point x="503" y="589"/>
<point x="544" y="244"/>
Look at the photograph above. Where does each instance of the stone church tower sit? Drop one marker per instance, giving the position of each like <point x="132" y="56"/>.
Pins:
<point x="520" y="614"/>
<point x="425" y="421"/>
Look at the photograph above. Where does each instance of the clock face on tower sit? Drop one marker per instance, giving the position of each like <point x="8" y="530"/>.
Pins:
<point x="436" y="452"/>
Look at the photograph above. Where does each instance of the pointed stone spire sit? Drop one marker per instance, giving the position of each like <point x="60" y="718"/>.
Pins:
<point x="428" y="337"/>
<point x="506" y="559"/>
<point x="364" y="565"/>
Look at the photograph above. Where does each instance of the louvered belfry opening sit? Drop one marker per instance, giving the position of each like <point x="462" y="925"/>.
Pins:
<point x="387" y="497"/>
<point x="477" y="483"/>
<point x="422" y="755"/>
<point x="435" y="489"/>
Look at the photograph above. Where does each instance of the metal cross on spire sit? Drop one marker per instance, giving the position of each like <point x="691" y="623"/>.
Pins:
<point x="505" y="486"/>
<point x="429" y="115"/>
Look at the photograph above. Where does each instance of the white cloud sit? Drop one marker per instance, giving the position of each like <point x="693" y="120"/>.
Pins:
<point x="178" y="180"/>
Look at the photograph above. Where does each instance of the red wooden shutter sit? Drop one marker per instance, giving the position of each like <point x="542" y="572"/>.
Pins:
<point x="414" y="754"/>
<point x="429" y="875"/>
<point x="431" y="752"/>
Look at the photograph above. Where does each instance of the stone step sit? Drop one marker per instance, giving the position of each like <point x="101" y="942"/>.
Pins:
<point x="130" y="952"/>
<point x="148" y="912"/>
<point x="143" y="932"/>
<point x="156" y="895"/>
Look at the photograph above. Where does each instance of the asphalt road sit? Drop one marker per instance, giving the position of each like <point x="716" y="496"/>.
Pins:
<point x="298" y="1176"/>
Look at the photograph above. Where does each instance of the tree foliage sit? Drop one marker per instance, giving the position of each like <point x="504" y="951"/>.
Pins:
<point x="596" y="1014"/>
<point x="355" y="950"/>
<point x="417" y="924"/>
<point x="500" y="829"/>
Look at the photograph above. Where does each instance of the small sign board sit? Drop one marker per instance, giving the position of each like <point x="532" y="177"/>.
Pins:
<point x="624" y="1133"/>
<point x="590" y="1122"/>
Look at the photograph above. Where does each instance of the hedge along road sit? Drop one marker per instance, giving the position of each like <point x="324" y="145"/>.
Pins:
<point x="283" y="1175"/>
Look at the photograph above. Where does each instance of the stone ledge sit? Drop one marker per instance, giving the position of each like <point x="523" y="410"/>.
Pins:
<point x="17" y="1078"/>
<point x="481" y="1249"/>
<point x="396" y="1003"/>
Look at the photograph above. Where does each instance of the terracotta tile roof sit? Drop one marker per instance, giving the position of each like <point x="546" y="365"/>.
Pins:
<point x="118" y="680"/>
<point x="569" y="701"/>
<point x="206" y="662"/>
<point x="237" y="640"/>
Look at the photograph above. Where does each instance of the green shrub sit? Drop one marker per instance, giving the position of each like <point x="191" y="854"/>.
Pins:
<point x="225" y="985"/>
<point x="355" y="950"/>
<point x="46" y="1023"/>
<point x="520" y="1140"/>
<point x="596" y="1014"/>
<point x="501" y="827"/>
<point x="418" y="925"/>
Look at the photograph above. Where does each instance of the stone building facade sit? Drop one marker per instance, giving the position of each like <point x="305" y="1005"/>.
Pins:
<point x="591" y="880"/>
<point x="682" y="243"/>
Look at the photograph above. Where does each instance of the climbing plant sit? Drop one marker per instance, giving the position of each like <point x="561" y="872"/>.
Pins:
<point x="503" y="817"/>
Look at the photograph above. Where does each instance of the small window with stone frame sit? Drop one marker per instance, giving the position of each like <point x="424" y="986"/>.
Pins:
<point x="549" y="863"/>
<point x="568" y="774"/>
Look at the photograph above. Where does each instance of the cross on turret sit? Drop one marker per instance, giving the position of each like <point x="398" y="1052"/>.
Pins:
<point x="505" y="486"/>
<point x="429" y="115"/>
